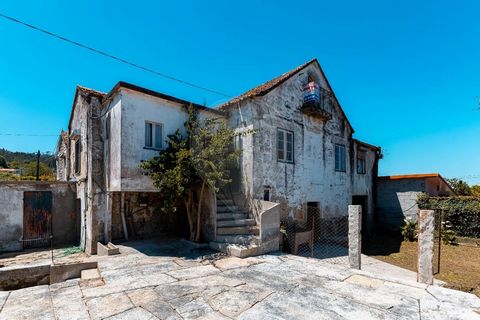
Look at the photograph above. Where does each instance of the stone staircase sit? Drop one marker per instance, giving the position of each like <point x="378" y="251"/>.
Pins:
<point x="237" y="233"/>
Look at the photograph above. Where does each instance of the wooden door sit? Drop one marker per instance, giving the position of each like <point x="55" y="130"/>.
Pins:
<point x="37" y="218"/>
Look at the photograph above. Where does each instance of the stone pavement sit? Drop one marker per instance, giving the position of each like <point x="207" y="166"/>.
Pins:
<point x="171" y="281"/>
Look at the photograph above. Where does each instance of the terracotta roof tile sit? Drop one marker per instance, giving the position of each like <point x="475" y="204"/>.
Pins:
<point x="265" y="87"/>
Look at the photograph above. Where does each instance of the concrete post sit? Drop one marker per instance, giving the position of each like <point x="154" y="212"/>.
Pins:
<point x="426" y="229"/>
<point x="355" y="236"/>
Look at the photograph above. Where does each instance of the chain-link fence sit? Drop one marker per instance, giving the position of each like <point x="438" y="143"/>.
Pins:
<point x="317" y="237"/>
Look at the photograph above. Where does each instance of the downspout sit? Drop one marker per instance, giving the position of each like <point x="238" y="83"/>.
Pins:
<point x="378" y="156"/>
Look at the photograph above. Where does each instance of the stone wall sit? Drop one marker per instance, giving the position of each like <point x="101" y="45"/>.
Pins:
<point x="312" y="176"/>
<point x="86" y="127"/>
<point x="397" y="200"/>
<point x="145" y="217"/>
<point x="65" y="216"/>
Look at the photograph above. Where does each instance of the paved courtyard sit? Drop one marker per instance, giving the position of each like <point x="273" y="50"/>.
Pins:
<point x="177" y="281"/>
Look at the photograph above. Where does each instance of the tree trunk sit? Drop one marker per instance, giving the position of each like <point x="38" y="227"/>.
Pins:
<point x="190" y="214"/>
<point x="199" y="213"/>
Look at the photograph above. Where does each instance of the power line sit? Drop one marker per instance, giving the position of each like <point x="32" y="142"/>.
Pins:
<point x="28" y="135"/>
<point x="111" y="56"/>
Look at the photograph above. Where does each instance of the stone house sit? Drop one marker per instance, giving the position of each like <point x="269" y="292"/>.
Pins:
<point x="297" y="151"/>
<point x="397" y="196"/>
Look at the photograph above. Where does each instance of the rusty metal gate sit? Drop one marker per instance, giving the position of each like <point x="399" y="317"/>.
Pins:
<point x="37" y="218"/>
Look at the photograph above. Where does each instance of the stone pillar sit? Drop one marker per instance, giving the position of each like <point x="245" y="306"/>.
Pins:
<point x="355" y="236"/>
<point x="426" y="229"/>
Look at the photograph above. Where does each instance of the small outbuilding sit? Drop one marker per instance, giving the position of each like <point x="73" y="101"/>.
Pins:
<point x="397" y="196"/>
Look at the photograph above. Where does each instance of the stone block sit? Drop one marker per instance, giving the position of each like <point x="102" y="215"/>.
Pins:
<point x="62" y="272"/>
<point x="354" y="236"/>
<point x="107" y="250"/>
<point x="426" y="229"/>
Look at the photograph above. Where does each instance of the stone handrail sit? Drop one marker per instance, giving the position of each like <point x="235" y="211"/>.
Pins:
<point x="267" y="215"/>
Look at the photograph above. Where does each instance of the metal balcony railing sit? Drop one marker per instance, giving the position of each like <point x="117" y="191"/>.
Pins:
<point x="316" y="101"/>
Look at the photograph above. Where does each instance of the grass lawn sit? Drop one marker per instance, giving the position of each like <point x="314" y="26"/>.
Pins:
<point x="459" y="265"/>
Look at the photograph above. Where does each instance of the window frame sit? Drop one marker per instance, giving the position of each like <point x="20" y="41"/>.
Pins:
<point x="153" y="136"/>
<point x="363" y="160"/>
<point x="343" y="164"/>
<point x="285" y="145"/>
<point x="78" y="157"/>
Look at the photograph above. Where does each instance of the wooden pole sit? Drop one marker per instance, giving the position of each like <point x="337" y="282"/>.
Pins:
<point x="38" y="165"/>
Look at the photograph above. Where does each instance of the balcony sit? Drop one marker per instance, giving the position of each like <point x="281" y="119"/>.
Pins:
<point x="316" y="101"/>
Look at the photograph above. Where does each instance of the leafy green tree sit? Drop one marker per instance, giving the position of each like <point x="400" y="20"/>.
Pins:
<point x="30" y="169"/>
<point x="3" y="162"/>
<point x="191" y="164"/>
<point x="460" y="187"/>
<point x="475" y="190"/>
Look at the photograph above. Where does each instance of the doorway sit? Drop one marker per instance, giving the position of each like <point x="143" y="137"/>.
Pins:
<point x="37" y="218"/>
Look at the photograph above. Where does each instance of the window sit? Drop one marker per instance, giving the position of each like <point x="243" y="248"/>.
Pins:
<point x="266" y="194"/>
<point x="340" y="160"/>
<point x="78" y="157"/>
<point x="284" y="145"/>
<point x="361" y="165"/>
<point x="107" y="127"/>
<point x="153" y="135"/>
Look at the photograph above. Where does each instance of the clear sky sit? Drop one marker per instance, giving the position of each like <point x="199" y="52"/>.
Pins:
<point x="407" y="73"/>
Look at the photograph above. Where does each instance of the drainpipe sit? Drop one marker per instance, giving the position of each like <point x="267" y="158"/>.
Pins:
<point x="122" y="213"/>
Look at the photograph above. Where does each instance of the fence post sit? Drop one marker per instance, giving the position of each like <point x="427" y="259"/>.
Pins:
<point x="354" y="236"/>
<point x="426" y="229"/>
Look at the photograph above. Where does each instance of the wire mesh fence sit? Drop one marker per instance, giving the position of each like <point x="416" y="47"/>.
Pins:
<point x="317" y="237"/>
<point x="437" y="247"/>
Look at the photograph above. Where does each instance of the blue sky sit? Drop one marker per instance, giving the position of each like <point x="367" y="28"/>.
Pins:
<point x="407" y="73"/>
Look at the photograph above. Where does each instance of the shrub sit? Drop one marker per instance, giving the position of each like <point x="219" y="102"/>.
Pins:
<point x="462" y="213"/>
<point x="449" y="236"/>
<point x="409" y="230"/>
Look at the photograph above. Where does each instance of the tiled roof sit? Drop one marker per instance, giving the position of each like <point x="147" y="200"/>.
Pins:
<point x="267" y="86"/>
<point x="90" y="91"/>
<point x="411" y="176"/>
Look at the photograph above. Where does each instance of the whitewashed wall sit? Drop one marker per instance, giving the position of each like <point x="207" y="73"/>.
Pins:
<point x="312" y="176"/>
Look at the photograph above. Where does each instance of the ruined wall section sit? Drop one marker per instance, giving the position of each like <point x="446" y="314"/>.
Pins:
<point x="312" y="176"/>
<point x="86" y="127"/>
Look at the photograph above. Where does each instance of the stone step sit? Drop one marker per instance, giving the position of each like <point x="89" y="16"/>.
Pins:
<point x="238" y="230"/>
<point x="232" y="216"/>
<point x="225" y="202"/>
<point x="236" y="223"/>
<point x="236" y="250"/>
<point x="226" y="209"/>
<point x="238" y="239"/>
<point x="88" y="274"/>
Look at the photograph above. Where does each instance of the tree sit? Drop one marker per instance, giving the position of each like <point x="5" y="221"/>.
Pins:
<point x="3" y="162"/>
<point x="191" y="164"/>
<point x="475" y="190"/>
<point x="460" y="187"/>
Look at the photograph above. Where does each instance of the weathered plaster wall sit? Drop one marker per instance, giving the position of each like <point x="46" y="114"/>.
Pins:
<point x="112" y="144"/>
<point x="136" y="109"/>
<point x="437" y="187"/>
<point x="86" y="125"/>
<point x="65" y="218"/>
<point x="396" y="200"/>
<point x="363" y="184"/>
<point x="312" y="176"/>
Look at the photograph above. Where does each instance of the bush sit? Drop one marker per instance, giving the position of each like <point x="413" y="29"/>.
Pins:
<point x="462" y="213"/>
<point x="409" y="230"/>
